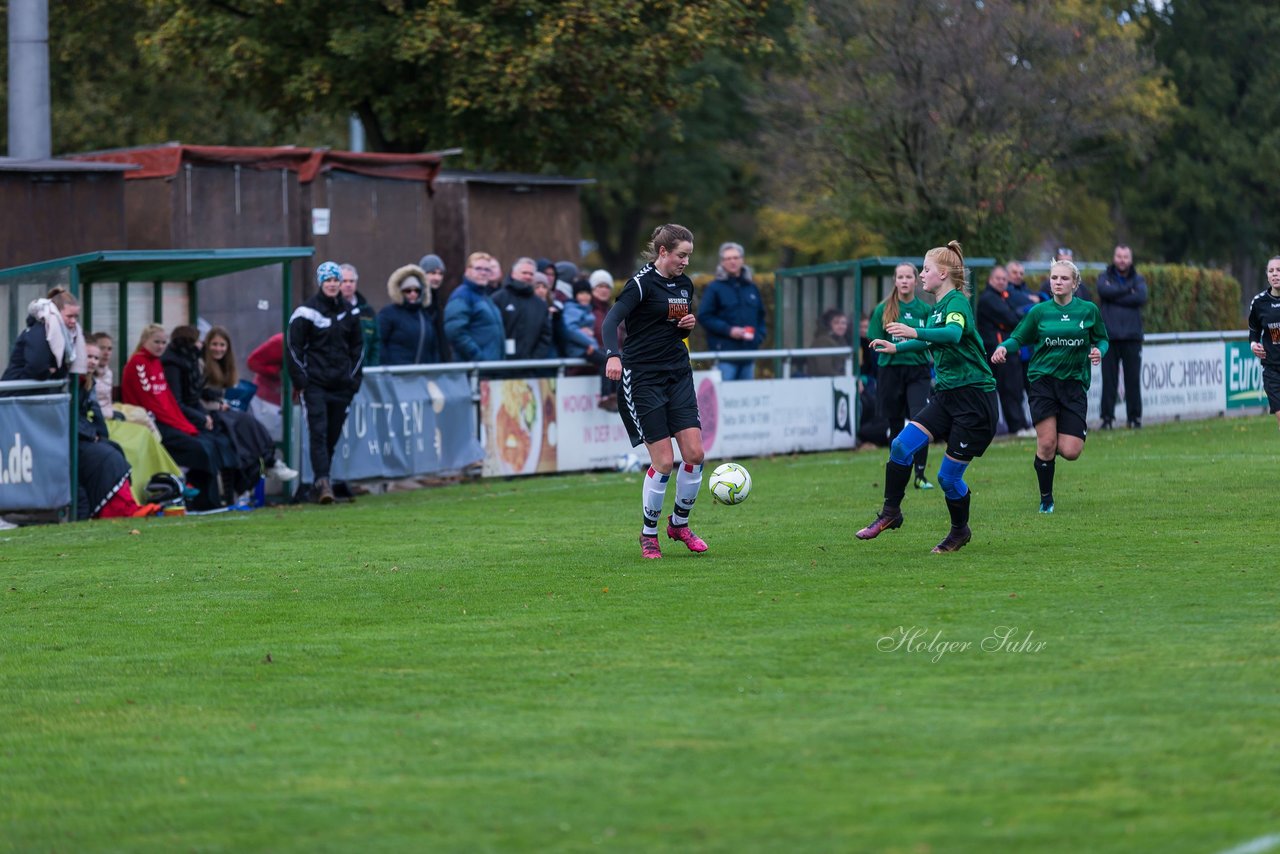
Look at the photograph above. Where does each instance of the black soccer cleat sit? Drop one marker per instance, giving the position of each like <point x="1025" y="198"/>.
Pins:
<point x="956" y="539"/>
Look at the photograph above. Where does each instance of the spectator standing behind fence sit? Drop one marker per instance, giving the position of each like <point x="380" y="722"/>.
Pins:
<point x="325" y="349"/>
<point x="144" y="384"/>
<point x="350" y="284"/>
<point x="732" y="313"/>
<point x="525" y="318"/>
<point x="996" y="319"/>
<point x="433" y="303"/>
<point x="1122" y="292"/>
<point x="105" y="489"/>
<point x="1264" y="335"/>
<point x="472" y="321"/>
<point x="253" y="442"/>
<point x="903" y="380"/>
<point x="601" y="282"/>
<point x="52" y="344"/>
<point x="832" y="331"/>
<point x="405" y="327"/>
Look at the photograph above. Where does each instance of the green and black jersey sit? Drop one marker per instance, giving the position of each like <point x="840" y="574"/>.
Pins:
<point x="965" y="362"/>
<point x="1062" y="336"/>
<point x="913" y="314"/>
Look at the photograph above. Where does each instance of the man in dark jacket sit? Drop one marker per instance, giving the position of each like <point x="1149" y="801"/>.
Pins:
<point x="732" y="313"/>
<point x="996" y="319"/>
<point x="1122" y="292"/>
<point x="325" y="349"/>
<point x="525" y="318"/>
<point x="368" y="318"/>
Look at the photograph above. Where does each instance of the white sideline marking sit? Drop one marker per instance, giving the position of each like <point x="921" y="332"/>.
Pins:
<point x="1256" y="846"/>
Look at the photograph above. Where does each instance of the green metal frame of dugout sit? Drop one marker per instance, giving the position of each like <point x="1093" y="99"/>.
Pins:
<point x="162" y="285"/>
<point x="802" y="294"/>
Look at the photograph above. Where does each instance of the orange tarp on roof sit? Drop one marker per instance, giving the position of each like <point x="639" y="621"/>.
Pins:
<point x="163" y="161"/>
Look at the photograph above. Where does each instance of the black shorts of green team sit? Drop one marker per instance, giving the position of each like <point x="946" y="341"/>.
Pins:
<point x="657" y="405"/>
<point x="1066" y="400"/>
<point x="964" y="417"/>
<point x="1271" y="385"/>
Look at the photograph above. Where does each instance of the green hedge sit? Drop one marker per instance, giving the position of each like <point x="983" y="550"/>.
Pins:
<point x="1190" y="299"/>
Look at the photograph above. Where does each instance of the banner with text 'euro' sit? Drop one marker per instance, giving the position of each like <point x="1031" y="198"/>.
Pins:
<point x="35" y="467"/>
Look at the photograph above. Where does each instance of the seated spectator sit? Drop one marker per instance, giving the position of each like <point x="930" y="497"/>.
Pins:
<point x="405" y="327"/>
<point x="104" y="378"/>
<point x="144" y="384"/>
<point x="525" y="318"/>
<point x="732" y="313"/>
<point x="472" y="322"/>
<point x="52" y="344"/>
<point x="832" y="331"/>
<point x="104" y="487"/>
<point x="267" y="361"/>
<point x="868" y="359"/>
<point x="130" y="427"/>
<point x="255" y="450"/>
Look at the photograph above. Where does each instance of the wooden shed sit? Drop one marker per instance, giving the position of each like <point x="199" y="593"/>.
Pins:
<point x="370" y="210"/>
<point x="58" y="207"/>
<point x="508" y="215"/>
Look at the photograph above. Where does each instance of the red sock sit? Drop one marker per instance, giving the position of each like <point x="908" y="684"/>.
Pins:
<point x="120" y="504"/>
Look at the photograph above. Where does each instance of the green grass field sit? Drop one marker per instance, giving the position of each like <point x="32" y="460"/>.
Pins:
<point x="492" y="667"/>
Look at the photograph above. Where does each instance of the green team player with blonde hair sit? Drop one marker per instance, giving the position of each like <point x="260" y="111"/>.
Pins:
<point x="963" y="408"/>
<point x="1069" y="337"/>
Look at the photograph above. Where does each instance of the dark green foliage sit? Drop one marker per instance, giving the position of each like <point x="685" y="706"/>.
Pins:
<point x="1190" y="299"/>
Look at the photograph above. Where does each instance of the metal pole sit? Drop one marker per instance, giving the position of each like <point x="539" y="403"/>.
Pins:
<point x="30" y="137"/>
<point x="286" y="391"/>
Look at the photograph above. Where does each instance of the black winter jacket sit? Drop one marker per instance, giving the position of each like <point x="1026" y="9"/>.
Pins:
<point x="1120" y="299"/>
<point x="183" y="373"/>
<point x="996" y="317"/>
<point x="526" y="319"/>
<point x="324" y="346"/>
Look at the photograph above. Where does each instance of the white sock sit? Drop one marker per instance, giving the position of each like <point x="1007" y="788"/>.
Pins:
<point x="688" y="482"/>
<point x="655" y="490"/>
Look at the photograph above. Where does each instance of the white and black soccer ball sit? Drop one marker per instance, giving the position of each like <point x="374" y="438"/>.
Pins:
<point x="730" y="483"/>
<point x="629" y="462"/>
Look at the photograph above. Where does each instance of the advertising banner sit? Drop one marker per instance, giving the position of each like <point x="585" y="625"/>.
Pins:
<point x="518" y="425"/>
<point x="1178" y="381"/>
<point x="402" y="425"/>
<point x="1243" y="376"/>
<point x="35" y="466"/>
<point x="755" y="417"/>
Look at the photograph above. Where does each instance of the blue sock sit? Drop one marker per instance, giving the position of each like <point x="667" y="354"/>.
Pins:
<point x="951" y="478"/>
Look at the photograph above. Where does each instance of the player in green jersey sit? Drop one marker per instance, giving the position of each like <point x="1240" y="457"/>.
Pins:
<point x="963" y="409"/>
<point x="903" y="379"/>
<point x="1069" y="336"/>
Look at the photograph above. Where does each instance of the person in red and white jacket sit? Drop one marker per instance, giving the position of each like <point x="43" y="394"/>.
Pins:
<point x="143" y="384"/>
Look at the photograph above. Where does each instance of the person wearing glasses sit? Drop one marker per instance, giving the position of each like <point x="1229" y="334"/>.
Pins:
<point x="405" y="326"/>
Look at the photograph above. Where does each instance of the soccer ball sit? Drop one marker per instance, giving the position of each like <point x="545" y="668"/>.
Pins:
<point x="629" y="462"/>
<point x="730" y="484"/>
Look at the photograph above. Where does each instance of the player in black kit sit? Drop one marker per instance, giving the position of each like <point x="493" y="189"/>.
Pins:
<point x="656" y="398"/>
<point x="1264" y="334"/>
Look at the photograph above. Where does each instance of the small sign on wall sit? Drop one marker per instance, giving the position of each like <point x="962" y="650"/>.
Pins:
<point x="319" y="221"/>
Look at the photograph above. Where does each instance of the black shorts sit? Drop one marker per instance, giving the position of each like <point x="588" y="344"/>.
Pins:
<point x="965" y="417"/>
<point x="1066" y="400"/>
<point x="656" y="405"/>
<point x="1271" y="385"/>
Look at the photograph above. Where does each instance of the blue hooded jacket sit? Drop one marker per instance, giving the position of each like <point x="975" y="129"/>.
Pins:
<point x="473" y="324"/>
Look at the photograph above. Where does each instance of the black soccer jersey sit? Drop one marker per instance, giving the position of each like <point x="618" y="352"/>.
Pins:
<point x="1264" y="326"/>
<point x="652" y="305"/>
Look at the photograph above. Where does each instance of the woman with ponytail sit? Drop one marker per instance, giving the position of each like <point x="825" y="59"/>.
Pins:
<point x="963" y="408"/>
<point x="904" y="379"/>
